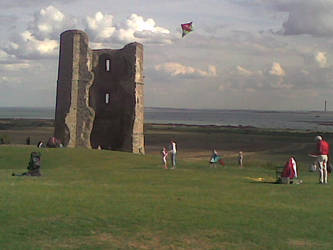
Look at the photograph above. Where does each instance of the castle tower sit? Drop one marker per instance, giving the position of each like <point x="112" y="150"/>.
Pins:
<point x="99" y="95"/>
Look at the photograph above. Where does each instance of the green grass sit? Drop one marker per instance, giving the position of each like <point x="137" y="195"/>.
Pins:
<point x="90" y="199"/>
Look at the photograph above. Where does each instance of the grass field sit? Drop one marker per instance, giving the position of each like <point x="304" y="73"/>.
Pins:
<point x="96" y="199"/>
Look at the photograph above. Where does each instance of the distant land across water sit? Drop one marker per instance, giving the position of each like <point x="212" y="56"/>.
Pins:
<point x="303" y="120"/>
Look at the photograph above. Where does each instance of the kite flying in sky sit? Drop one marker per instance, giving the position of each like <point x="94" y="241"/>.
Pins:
<point x="187" y="28"/>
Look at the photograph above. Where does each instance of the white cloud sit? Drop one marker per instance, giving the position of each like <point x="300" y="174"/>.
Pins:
<point x="321" y="59"/>
<point x="49" y="22"/>
<point x="141" y="30"/>
<point x="175" y="69"/>
<point x="277" y="70"/>
<point x="41" y="38"/>
<point x="27" y="46"/>
<point x="136" y="22"/>
<point x="244" y="72"/>
<point x="99" y="27"/>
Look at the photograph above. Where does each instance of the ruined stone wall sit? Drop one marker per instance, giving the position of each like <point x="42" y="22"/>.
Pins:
<point x="138" y="136"/>
<point x="74" y="118"/>
<point x="99" y="103"/>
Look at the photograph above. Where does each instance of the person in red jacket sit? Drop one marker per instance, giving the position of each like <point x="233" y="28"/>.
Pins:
<point x="290" y="169"/>
<point x="322" y="152"/>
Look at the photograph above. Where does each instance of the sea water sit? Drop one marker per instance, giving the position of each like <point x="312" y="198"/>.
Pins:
<point x="300" y="120"/>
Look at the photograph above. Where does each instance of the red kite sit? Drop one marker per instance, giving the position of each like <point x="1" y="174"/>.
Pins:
<point x="187" y="28"/>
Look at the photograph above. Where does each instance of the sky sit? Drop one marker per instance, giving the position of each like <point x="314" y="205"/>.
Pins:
<point x="242" y="54"/>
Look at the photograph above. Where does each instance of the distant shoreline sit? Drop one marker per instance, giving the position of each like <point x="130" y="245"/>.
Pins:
<point x="21" y="123"/>
<point x="275" y="119"/>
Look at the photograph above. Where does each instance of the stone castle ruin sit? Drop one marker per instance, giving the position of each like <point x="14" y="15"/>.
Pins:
<point x="99" y="95"/>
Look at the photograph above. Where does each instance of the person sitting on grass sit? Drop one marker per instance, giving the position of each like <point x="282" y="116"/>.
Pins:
<point x="33" y="166"/>
<point x="215" y="158"/>
<point x="290" y="169"/>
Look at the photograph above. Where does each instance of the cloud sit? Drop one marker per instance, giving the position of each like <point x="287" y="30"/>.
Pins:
<point x="49" y="22"/>
<point x="99" y="27"/>
<point x="280" y="84"/>
<point x="41" y="37"/>
<point x="25" y="4"/>
<point x="14" y="66"/>
<point x="141" y="30"/>
<point x="4" y="57"/>
<point x="243" y="72"/>
<point x="26" y="45"/>
<point x="176" y="69"/>
<point x="277" y="70"/>
<point x="312" y="17"/>
<point x="321" y="59"/>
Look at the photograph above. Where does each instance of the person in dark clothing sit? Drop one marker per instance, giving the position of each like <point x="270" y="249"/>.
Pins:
<point x="33" y="166"/>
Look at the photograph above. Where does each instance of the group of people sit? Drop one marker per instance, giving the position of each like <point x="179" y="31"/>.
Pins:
<point x="216" y="158"/>
<point x="173" y="151"/>
<point x="322" y="156"/>
<point x="51" y="143"/>
<point x="290" y="169"/>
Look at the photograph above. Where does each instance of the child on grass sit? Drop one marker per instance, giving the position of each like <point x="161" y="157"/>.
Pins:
<point x="164" y="153"/>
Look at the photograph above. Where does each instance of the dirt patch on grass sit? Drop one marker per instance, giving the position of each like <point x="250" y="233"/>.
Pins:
<point x="306" y="244"/>
<point x="159" y="240"/>
<point x="211" y="239"/>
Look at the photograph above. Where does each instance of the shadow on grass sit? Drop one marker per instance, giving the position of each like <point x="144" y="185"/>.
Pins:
<point x="264" y="182"/>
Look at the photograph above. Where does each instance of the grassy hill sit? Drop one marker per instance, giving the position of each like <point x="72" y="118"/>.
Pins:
<point x="91" y="199"/>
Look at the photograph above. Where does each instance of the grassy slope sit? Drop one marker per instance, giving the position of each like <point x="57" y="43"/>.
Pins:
<point x="90" y="199"/>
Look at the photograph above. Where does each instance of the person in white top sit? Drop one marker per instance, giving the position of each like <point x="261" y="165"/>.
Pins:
<point x="293" y="163"/>
<point x="173" y="152"/>
<point x="240" y="159"/>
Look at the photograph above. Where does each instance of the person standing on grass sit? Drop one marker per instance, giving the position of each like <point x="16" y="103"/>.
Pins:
<point x="173" y="152"/>
<point x="164" y="157"/>
<point x="240" y="159"/>
<point x="215" y="158"/>
<point x="322" y="152"/>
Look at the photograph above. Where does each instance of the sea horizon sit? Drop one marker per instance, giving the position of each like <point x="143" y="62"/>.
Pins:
<point x="275" y="119"/>
<point x="151" y="107"/>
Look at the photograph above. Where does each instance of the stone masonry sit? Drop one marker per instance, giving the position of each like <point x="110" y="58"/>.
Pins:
<point x="100" y="100"/>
